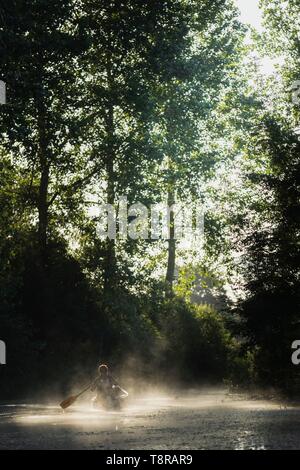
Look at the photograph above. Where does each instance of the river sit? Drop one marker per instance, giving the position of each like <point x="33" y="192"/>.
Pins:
<point x="207" y="420"/>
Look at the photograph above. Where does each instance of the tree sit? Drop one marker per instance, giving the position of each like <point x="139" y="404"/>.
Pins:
<point x="273" y="257"/>
<point x="39" y="43"/>
<point x="188" y="103"/>
<point x="136" y="47"/>
<point x="42" y="143"/>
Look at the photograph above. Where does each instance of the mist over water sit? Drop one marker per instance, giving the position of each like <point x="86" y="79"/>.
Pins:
<point x="209" y="418"/>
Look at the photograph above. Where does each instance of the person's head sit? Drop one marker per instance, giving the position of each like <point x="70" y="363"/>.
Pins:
<point x="103" y="370"/>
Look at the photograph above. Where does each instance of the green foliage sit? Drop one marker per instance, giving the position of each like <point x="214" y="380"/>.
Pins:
<point x="197" y="342"/>
<point x="272" y="270"/>
<point x="145" y="99"/>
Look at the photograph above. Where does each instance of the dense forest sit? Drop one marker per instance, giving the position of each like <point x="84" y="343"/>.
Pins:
<point x="154" y="102"/>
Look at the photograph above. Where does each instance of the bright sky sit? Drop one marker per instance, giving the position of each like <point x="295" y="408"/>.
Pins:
<point x="250" y="13"/>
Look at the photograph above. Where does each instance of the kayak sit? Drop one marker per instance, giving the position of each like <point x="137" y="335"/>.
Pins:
<point x="113" y="400"/>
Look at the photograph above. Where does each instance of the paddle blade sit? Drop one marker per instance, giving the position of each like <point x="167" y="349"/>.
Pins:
<point x="68" y="402"/>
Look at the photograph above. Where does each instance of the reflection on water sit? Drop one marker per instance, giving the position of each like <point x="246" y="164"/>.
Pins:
<point x="248" y="441"/>
<point x="85" y="414"/>
<point x="196" y="421"/>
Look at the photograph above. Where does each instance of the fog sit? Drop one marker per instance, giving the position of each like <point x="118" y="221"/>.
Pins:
<point x="206" y="418"/>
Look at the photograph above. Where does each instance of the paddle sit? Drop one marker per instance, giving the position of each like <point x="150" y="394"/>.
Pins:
<point x="69" y="401"/>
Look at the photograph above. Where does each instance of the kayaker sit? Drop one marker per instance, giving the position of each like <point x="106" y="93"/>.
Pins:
<point x="109" y="392"/>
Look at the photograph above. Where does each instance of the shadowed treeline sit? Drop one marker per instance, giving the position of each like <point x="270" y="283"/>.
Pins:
<point x="155" y="101"/>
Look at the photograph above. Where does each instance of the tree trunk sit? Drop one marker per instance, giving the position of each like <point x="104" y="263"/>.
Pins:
<point x="110" y="270"/>
<point x="110" y="255"/>
<point x="42" y="203"/>
<point x="42" y="206"/>
<point x="171" y="248"/>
